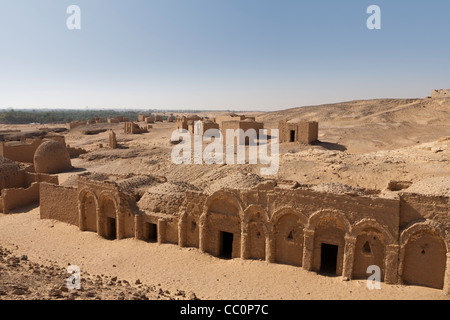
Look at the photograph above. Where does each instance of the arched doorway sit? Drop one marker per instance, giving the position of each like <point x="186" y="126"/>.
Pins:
<point x="329" y="245"/>
<point x="108" y="218"/>
<point x="370" y="249"/>
<point x="425" y="259"/>
<point x="221" y="233"/>
<point x="289" y="240"/>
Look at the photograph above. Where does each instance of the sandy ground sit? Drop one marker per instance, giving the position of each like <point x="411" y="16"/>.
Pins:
<point x="23" y="279"/>
<point x="181" y="269"/>
<point x="362" y="144"/>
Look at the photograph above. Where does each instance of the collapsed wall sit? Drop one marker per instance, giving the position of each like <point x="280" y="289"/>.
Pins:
<point x="18" y="186"/>
<point x="11" y="174"/>
<point x="231" y="117"/>
<point x="20" y="151"/>
<point x="75" y="152"/>
<point x="442" y="93"/>
<point x="184" y="122"/>
<point x="133" y="128"/>
<point x="27" y="194"/>
<point x="13" y="198"/>
<point x="95" y="120"/>
<point x="73" y="124"/>
<point x="146" y="118"/>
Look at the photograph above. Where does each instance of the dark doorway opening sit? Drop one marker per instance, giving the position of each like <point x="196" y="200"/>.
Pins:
<point x="111" y="228"/>
<point x="292" y="138"/>
<point x="151" y="232"/>
<point x="328" y="262"/>
<point x="226" y="245"/>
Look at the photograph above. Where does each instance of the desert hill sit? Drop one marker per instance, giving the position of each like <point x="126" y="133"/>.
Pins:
<point x="362" y="144"/>
<point x="371" y="125"/>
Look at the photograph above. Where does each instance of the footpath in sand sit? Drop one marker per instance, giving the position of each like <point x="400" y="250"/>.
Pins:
<point x="52" y="244"/>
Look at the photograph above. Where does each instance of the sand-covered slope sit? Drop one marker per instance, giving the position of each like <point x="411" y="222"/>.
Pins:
<point x="369" y="125"/>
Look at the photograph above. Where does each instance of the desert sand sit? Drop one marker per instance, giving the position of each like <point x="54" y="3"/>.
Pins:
<point x="363" y="144"/>
<point x="177" y="269"/>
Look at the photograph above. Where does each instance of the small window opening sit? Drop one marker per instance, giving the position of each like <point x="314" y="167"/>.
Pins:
<point x="366" y="248"/>
<point x="290" y="236"/>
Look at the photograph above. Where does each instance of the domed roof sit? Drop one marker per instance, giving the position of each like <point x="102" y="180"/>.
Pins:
<point x="166" y="197"/>
<point x="52" y="157"/>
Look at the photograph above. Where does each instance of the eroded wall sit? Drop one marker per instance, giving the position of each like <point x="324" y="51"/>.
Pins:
<point x="22" y="189"/>
<point x="65" y="209"/>
<point x="20" y="151"/>
<point x="442" y="93"/>
<point x="19" y="197"/>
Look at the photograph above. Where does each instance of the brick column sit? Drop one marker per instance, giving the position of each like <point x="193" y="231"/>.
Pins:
<point x="100" y="223"/>
<point x="245" y="245"/>
<point x="447" y="276"/>
<point x="270" y="246"/>
<point x="120" y="225"/>
<point x="80" y="217"/>
<point x="401" y="264"/>
<point x="245" y="252"/>
<point x="308" y="248"/>
<point x="138" y="232"/>
<point x="349" y="256"/>
<point x="161" y="231"/>
<point x="392" y="265"/>
<point x="182" y="228"/>
<point x="202" y="236"/>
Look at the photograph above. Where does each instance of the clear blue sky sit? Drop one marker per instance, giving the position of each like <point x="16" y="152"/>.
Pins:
<point x="219" y="54"/>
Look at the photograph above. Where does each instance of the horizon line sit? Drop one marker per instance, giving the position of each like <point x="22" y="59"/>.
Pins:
<point x="136" y="109"/>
